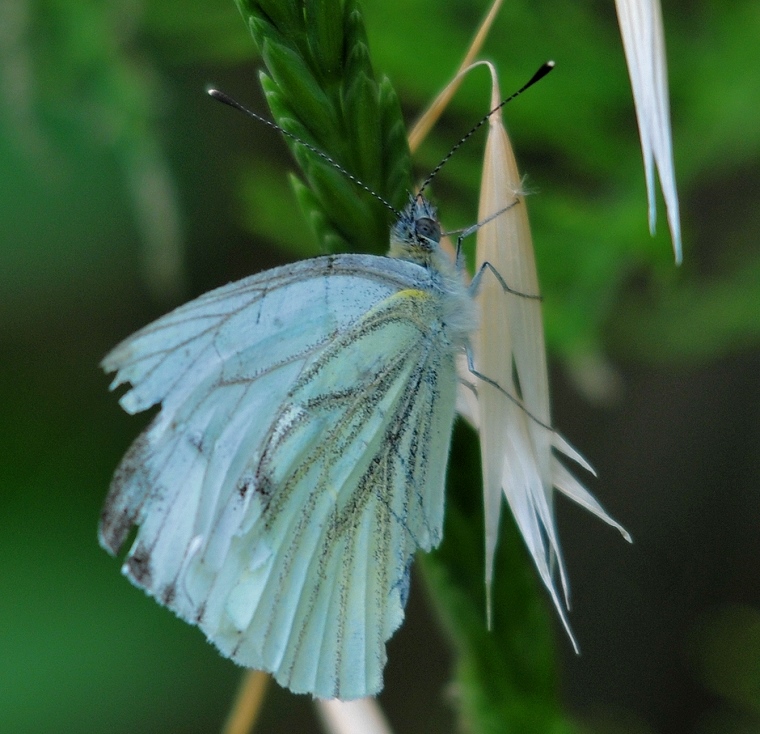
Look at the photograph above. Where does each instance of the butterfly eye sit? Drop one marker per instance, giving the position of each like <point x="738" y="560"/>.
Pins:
<point x="428" y="229"/>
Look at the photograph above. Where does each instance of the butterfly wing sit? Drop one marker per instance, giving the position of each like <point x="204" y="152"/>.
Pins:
<point x="294" y="467"/>
<point x="197" y="360"/>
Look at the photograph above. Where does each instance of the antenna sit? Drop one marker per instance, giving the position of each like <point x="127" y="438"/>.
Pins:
<point x="540" y="74"/>
<point x="226" y="99"/>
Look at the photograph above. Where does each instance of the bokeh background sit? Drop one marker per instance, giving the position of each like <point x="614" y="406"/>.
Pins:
<point x="124" y="190"/>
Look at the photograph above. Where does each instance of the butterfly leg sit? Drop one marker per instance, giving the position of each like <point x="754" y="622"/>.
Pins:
<point x="519" y="403"/>
<point x="475" y="283"/>
<point x="475" y="227"/>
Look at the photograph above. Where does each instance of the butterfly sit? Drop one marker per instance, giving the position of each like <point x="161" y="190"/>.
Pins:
<point x="298" y="460"/>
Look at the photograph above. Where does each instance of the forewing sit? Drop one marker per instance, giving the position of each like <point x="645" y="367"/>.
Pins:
<point x="220" y="365"/>
<point x="281" y="495"/>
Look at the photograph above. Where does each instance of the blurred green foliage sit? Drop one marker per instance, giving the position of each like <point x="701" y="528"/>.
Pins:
<point x="725" y="653"/>
<point x="123" y="188"/>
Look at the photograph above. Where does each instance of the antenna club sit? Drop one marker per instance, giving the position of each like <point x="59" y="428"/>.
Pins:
<point x="545" y="68"/>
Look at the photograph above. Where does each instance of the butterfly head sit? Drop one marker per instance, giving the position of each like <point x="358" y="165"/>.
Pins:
<point x="416" y="234"/>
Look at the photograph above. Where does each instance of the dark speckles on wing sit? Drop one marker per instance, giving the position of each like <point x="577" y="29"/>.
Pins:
<point x="265" y="486"/>
<point x="138" y="566"/>
<point x="243" y="489"/>
<point x="403" y="584"/>
<point x="128" y="492"/>
<point x="200" y="613"/>
<point x="168" y="594"/>
<point x="195" y="439"/>
<point x="115" y="524"/>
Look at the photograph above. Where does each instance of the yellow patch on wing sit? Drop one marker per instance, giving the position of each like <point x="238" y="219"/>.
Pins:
<point x="412" y="304"/>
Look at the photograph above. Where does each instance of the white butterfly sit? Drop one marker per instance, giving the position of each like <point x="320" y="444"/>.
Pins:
<point x="299" y="457"/>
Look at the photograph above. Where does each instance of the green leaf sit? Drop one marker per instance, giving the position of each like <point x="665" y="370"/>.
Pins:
<point x="325" y="92"/>
<point x="297" y="85"/>
<point x="285" y="15"/>
<point x="325" y="33"/>
<point x="315" y="216"/>
<point x="361" y="105"/>
<point x="396" y="158"/>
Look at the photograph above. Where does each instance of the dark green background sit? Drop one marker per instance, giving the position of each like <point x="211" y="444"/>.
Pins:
<point x="92" y="92"/>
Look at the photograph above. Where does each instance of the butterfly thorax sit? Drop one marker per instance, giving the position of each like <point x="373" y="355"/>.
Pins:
<point x="416" y="237"/>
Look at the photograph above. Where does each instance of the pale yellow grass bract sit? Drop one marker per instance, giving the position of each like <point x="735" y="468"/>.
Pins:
<point x="516" y="444"/>
<point x="644" y="42"/>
